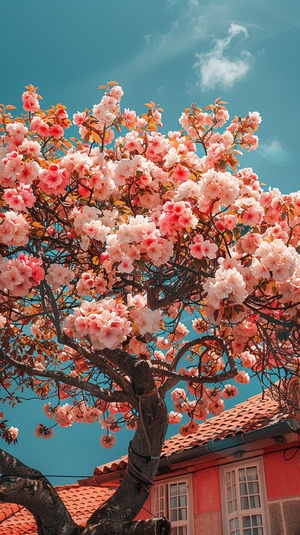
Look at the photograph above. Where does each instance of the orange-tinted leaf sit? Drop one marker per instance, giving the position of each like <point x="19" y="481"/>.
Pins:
<point x="151" y="126"/>
<point x="10" y="107"/>
<point x="96" y="137"/>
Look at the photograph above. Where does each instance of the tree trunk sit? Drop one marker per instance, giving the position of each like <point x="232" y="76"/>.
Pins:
<point x="25" y="486"/>
<point x="30" y="488"/>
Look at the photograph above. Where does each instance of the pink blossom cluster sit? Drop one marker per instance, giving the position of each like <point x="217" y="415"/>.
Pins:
<point x="89" y="225"/>
<point x="227" y="284"/>
<point x="20" y="198"/>
<point x="175" y="218"/>
<point x="44" y="432"/>
<point x="14" y="229"/>
<point x="58" y="275"/>
<point x="13" y="433"/>
<point x="143" y="318"/>
<point x="65" y="415"/>
<point x="53" y="180"/>
<point x="200" y="248"/>
<point x="105" y="322"/>
<point x="18" y="275"/>
<point x="209" y="402"/>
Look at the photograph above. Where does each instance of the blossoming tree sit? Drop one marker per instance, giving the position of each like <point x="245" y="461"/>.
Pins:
<point x="132" y="261"/>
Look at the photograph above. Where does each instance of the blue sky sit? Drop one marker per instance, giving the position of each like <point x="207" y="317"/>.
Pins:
<point x="173" y="52"/>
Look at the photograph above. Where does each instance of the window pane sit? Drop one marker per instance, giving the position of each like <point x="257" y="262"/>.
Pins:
<point x="183" y="514"/>
<point x="242" y="475"/>
<point x="244" y="503"/>
<point x="254" y="502"/>
<point x="160" y="501"/>
<point x="174" y="531"/>
<point x="173" y="515"/>
<point x="253" y="488"/>
<point x="173" y="490"/>
<point x="231" y="491"/>
<point x="182" y="488"/>
<point x="243" y="489"/>
<point x="182" y="530"/>
<point x="182" y="500"/>
<point x="173" y="503"/>
<point x="252" y="473"/>
<point x="234" y="523"/>
<point x="257" y="520"/>
<point x="246" y="522"/>
<point x="234" y="526"/>
<point x="254" y="522"/>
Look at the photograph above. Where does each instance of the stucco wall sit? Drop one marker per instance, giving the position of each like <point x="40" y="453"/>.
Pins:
<point x="208" y="524"/>
<point x="285" y="517"/>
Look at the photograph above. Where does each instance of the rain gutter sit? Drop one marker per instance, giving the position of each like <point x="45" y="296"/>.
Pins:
<point x="216" y="446"/>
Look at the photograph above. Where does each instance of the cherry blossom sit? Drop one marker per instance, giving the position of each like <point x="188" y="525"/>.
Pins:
<point x="133" y="246"/>
<point x="107" y="441"/>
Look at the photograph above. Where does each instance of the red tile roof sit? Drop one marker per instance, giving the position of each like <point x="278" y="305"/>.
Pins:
<point x="253" y="414"/>
<point x="80" y="501"/>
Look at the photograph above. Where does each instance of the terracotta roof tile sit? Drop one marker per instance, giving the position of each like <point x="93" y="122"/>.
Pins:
<point x="252" y="414"/>
<point x="7" y="510"/>
<point x="80" y="501"/>
<point x="255" y="413"/>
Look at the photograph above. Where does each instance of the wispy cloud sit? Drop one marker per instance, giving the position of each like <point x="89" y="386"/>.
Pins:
<point x="184" y="33"/>
<point x="181" y="36"/>
<point x="216" y="68"/>
<point x="274" y="153"/>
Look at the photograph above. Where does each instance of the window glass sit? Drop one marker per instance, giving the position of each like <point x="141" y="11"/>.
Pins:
<point x="171" y="501"/>
<point x="243" y="512"/>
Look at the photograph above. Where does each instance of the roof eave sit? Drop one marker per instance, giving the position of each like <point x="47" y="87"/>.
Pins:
<point x="217" y="446"/>
<point x="214" y="447"/>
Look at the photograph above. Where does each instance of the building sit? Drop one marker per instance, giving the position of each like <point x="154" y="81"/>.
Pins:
<point x="238" y="475"/>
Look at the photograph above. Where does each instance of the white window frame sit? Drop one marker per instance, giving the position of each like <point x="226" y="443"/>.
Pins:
<point x="240" y="512"/>
<point x="162" y="491"/>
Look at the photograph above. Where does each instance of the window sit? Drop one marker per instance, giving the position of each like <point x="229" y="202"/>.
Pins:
<point x="243" y="499"/>
<point x="172" y="499"/>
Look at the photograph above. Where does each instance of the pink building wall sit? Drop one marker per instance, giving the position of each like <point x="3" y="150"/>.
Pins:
<point x="282" y="475"/>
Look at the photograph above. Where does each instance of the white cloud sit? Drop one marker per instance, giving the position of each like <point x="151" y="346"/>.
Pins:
<point x="214" y="68"/>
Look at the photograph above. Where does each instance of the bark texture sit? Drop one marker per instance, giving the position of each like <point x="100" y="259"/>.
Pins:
<point x="25" y="486"/>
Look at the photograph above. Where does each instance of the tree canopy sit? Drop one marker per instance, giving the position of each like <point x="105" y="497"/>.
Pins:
<point x="132" y="261"/>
